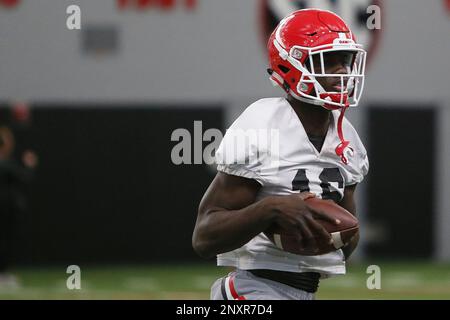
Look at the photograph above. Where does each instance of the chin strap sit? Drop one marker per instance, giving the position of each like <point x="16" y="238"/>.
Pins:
<point x="343" y="150"/>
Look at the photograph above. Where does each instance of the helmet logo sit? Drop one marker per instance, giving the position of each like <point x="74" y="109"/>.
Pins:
<point x="297" y="54"/>
<point x="343" y="41"/>
<point x="303" y="87"/>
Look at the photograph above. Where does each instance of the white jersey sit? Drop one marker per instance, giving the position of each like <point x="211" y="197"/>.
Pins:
<point x="279" y="155"/>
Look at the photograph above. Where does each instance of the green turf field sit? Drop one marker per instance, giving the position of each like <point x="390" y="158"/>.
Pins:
<point x="398" y="281"/>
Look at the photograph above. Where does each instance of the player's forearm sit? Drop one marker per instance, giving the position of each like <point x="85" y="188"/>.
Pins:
<point x="225" y="230"/>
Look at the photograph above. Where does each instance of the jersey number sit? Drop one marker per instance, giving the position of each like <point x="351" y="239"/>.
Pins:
<point x="301" y="182"/>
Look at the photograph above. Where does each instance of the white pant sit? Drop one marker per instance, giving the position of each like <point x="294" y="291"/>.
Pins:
<point x="243" y="285"/>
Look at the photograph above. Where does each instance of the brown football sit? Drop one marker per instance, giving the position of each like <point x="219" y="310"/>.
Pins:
<point x="341" y="233"/>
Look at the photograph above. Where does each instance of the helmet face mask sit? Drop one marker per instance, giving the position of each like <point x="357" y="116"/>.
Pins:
<point x="300" y="59"/>
<point x="347" y="87"/>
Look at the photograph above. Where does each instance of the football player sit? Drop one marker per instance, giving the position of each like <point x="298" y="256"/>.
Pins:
<point x="312" y="150"/>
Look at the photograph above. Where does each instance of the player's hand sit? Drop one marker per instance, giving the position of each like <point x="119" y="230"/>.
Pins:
<point x="294" y="214"/>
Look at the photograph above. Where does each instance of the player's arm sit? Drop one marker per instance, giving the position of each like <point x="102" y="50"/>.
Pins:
<point x="228" y="216"/>
<point x="348" y="203"/>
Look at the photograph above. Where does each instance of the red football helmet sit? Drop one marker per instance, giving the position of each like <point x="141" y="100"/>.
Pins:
<point x="301" y="37"/>
<point x="299" y="41"/>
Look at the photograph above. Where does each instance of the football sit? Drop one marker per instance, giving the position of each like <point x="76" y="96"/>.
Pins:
<point x="341" y="233"/>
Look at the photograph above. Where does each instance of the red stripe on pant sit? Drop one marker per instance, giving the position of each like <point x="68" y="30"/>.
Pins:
<point x="233" y="290"/>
